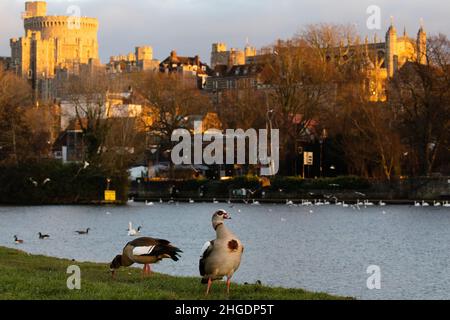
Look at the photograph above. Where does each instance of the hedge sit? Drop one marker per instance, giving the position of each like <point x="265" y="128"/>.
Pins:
<point x="68" y="183"/>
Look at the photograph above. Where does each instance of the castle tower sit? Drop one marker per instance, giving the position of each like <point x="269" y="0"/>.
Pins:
<point x="219" y="47"/>
<point x="52" y="43"/>
<point x="391" y="50"/>
<point x="219" y="54"/>
<point x="422" y="46"/>
<point x="249" y="51"/>
<point x="35" y="9"/>
<point x="144" y="53"/>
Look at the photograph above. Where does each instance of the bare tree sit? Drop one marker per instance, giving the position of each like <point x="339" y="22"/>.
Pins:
<point x="245" y="109"/>
<point x="302" y="77"/>
<point x="87" y="100"/>
<point x="43" y="123"/>
<point x="421" y="96"/>
<point x="15" y="98"/>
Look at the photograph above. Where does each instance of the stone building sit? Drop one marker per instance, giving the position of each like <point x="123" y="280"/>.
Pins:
<point x="51" y="43"/>
<point x="187" y="67"/>
<point x="235" y="78"/>
<point x="385" y="59"/>
<point x="234" y="57"/>
<point x="140" y="60"/>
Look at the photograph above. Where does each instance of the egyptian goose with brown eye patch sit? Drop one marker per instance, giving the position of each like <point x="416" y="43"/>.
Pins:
<point x="145" y="251"/>
<point x="222" y="256"/>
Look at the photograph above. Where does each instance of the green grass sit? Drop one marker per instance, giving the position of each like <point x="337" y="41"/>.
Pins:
<point x="30" y="277"/>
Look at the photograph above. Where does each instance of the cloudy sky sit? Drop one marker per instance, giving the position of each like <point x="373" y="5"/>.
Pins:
<point x="190" y="26"/>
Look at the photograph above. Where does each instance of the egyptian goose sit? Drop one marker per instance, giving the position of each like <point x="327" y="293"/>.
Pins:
<point x="43" y="236"/>
<point x="222" y="256"/>
<point x="17" y="240"/>
<point x="145" y="251"/>
<point x="133" y="232"/>
<point x="83" y="232"/>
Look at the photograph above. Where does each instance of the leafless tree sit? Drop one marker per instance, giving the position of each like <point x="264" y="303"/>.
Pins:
<point x="421" y="96"/>
<point x="15" y="98"/>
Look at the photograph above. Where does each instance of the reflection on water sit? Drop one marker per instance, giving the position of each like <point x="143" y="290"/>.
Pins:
<point x="316" y="248"/>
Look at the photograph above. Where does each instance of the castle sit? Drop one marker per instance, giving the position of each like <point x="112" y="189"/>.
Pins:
<point x="56" y="46"/>
<point x="386" y="58"/>
<point x="53" y="43"/>
<point x="234" y="57"/>
<point x="238" y="69"/>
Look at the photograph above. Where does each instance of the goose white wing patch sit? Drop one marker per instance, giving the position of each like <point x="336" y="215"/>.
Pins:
<point x="205" y="248"/>
<point x="143" y="251"/>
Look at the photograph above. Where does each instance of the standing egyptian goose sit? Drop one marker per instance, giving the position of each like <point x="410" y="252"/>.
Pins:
<point x="222" y="256"/>
<point x="17" y="240"/>
<point x="145" y="251"/>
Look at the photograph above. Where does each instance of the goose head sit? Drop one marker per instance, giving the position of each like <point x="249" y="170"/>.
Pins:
<point x="115" y="265"/>
<point x="219" y="218"/>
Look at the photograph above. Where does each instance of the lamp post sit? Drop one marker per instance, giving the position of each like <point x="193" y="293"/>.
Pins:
<point x="323" y="137"/>
<point x="270" y="114"/>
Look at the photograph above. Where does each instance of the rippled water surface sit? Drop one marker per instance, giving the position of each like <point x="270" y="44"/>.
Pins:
<point x="325" y="248"/>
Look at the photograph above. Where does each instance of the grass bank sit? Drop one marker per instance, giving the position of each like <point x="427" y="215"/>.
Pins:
<point x="31" y="277"/>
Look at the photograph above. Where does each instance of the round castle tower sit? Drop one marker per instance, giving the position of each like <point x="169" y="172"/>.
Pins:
<point x="55" y="42"/>
<point x="76" y="37"/>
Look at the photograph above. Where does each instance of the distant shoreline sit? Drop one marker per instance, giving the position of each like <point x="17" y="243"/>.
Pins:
<point x="295" y="202"/>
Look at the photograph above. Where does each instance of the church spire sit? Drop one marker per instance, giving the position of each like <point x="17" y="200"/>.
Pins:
<point x="422" y="44"/>
<point x="391" y="49"/>
<point x="392" y="29"/>
<point x="422" y="28"/>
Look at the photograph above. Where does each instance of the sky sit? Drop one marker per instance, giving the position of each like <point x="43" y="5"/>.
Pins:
<point x="191" y="26"/>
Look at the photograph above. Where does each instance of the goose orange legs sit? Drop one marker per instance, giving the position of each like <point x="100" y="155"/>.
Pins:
<point x="210" y="283"/>
<point x="146" y="271"/>
<point x="209" y="286"/>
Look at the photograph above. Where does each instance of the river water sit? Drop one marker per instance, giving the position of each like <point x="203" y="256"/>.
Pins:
<point x="327" y="248"/>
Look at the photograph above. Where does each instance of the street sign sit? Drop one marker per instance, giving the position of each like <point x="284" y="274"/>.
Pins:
<point x="110" y="195"/>
<point x="308" y="158"/>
